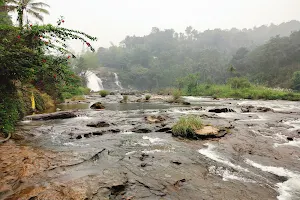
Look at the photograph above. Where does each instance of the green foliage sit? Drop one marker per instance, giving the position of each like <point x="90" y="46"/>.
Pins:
<point x="147" y="97"/>
<point x="253" y="92"/>
<point x="296" y="81"/>
<point x="239" y="83"/>
<point x="104" y="93"/>
<point x="27" y="58"/>
<point x="186" y="126"/>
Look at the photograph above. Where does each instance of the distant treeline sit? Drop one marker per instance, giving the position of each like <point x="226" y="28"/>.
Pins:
<point x="266" y="55"/>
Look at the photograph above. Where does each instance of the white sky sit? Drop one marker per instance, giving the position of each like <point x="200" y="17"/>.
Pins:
<point x="112" y="20"/>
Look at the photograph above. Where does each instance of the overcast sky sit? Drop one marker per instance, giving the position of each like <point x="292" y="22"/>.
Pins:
<point x="112" y="20"/>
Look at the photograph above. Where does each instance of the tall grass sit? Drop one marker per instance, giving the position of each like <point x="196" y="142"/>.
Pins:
<point x="186" y="126"/>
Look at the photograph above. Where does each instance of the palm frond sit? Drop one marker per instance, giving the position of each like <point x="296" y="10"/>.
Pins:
<point x="40" y="10"/>
<point x="39" y="4"/>
<point x="35" y="14"/>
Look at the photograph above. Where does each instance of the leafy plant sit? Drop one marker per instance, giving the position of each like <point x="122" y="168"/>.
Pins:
<point x="104" y="93"/>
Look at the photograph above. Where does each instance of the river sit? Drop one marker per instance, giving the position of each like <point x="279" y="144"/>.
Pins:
<point x="131" y="159"/>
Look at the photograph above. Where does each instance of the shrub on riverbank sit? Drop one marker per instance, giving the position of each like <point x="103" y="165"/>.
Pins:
<point x="147" y="97"/>
<point x="104" y="93"/>
<point x="253" y="92"/>
<point x="186" y="126"/>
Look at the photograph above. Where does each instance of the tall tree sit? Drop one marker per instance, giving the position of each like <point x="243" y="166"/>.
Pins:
<point x="29" y="7"/>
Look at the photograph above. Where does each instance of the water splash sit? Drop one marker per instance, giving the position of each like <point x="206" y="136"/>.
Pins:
<point x="117" y="82"/>
<point x="287" y="190"/>
<point x="93" y="81"/>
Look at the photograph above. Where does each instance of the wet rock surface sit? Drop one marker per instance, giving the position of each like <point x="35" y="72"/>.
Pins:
<point x="51" y="116"/>
<point x="258" y="158"/>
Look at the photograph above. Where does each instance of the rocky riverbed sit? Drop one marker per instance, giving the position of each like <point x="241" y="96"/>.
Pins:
<point x="118" y="153"/>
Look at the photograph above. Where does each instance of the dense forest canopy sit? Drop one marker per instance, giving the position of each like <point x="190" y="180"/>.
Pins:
<point x="158" y="59"/>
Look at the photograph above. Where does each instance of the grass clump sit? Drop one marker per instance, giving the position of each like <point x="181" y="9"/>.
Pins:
<point x="78" y="98"/>
<point x="186" y="126"/>
<point x="104" y="93"/>
<point x="147" y="97"/>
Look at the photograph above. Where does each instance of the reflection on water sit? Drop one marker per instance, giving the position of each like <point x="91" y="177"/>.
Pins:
<point x="114" y="106"/>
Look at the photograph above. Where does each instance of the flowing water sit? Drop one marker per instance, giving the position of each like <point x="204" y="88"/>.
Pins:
<point x="93" y="81"/>
<point x="117" y="82"/>
<point x="254" y="161"/>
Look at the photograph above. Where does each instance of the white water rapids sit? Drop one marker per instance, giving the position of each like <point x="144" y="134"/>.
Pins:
<point x="93" y="81"/>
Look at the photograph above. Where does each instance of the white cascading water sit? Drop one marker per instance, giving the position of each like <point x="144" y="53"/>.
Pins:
<point x="93" y="81"/>
<point x="118" y="83"/>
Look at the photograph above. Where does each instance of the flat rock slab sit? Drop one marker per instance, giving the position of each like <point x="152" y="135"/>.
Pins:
<point x="50" y="116"/>
<point x="207" y="130"/>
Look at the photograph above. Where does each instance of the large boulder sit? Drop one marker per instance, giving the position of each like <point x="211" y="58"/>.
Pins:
<point x="97" y="105"/>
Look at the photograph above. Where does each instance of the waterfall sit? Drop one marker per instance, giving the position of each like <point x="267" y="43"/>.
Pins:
<point x="93" y="81"/>
<point x="117" y="82"/>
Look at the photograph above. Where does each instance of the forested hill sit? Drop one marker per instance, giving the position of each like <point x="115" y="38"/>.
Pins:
<point x="158" y="59"/>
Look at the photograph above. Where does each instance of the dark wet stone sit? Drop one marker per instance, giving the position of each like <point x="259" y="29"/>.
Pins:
<point x="221" y="110"/>
<point x="50" y="116"/>
<point x="143" y="156"/>
<point x="186" y="103"/>
<point x="176" y="162"/>
<point x="97" y="105"/>
<point x="265" y="109"/>
<point x="164" y="129"/>
<point x="143" y="129"/>
<point x="98" y="124"/>
<point x="145" y="165"/>
<point x="290" y="138"/>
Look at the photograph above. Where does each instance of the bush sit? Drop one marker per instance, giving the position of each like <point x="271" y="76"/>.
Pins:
<point x="125" y="98"/>
<point x="186" y="126"/>
<point x="176" y="95"/>
<point x="84" y="90"/>
<point x="104" y="93"/>
<point x="239" y="83"/>
<point x="147" y="97"/>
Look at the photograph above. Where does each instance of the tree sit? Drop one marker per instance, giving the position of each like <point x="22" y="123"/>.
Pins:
<point x="296" y="81"/>
<point x="5" y="19"/>
<point x="30" y="7"/>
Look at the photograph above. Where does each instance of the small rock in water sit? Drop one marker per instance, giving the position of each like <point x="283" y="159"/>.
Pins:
<point x="97" y="105"/>
<point x="290" y="139"/>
